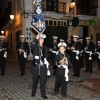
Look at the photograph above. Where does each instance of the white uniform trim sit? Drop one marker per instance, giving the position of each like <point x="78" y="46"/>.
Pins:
<point x="66" y="71"/>
<point x="47" y="64"/>
<point x="98" y="54"/>
<point x="76" y="51"/>
<point x="90" y="52"/>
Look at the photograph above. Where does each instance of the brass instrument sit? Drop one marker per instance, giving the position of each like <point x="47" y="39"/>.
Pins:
<point x="61" y="66"/>
<point x="20" y="51"/>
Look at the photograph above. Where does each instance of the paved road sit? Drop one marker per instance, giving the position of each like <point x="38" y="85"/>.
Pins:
<point x="16" y="87"/>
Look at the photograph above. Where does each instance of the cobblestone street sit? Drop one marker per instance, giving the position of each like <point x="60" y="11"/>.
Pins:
<point x="13" y="86"/>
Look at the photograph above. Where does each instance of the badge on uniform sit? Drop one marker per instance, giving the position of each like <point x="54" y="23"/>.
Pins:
<point x="38" y="22"/>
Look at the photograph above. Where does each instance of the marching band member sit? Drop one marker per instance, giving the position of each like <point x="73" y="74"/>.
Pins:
<point x="23" y="49"/>
<point x="97" y="51"/>
<point x="61" y="40"/>
<point x="81" y="53"/>
<point x="76" y="48"/>
<point x="40" y="65"/>
<point x="62" y="61"/>
<point x="54" y="47"/>
<point x="69" y="45"/>
<point x="3" y="54"/>
<point x="89" y="49"/>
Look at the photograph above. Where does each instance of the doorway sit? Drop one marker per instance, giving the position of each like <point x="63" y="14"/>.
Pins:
<point x="83" y="33"/>
<point x="59" y="31"/>
<point x="10" y="43"/>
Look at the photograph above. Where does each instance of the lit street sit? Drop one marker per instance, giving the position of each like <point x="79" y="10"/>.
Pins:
<point x="13" y="86"/>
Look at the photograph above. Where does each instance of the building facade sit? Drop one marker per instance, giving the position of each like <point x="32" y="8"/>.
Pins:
<point x="58" y="17"/>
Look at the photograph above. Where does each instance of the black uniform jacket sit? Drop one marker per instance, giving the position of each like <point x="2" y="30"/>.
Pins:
<point x="4" y="45"/>
<point x="91" y="47"/>
<point x="78" y="46"/>
<point x="54" y="49"/>
<point x="35" y="48"/>
<point x="25" y="47"/>
<point x="61" y="71"/>
<point x="52" y="46"/>
<point x="68" y="50"/>
<point x="98" y="50"/>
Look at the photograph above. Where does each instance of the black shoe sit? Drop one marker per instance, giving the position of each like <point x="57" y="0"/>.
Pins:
<point x="98" y="68"/>
<point x="54" y="74"/>
<point x="74" y="75"/>
<point x="44" y="97"/>
<point x="22" y="73"/>
<point x="48" y="76"/>
<point x="55" y="93"/>
<point x="33" y="95"/>
<point x="78" y="75"/>
<point x="86" y="71"/>
<point x="64" y="96"/>
<point x="2" y="74"/>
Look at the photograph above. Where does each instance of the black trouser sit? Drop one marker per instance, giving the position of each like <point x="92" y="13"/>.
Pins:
<point x="54" y="67"/>
<point x="43" y="78"/>
<point x="42" y="84"/>
<point x="2" y="64"/>
<point x="88" y="64"/>
<point x="81" y="62"/>
<point x="76" y="66"/>
<point x="22" y="62"/>
<point x="98" y="61"/>
<point x="60" y="82"/>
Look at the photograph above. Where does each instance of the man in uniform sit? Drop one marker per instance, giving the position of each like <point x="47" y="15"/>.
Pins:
<point x="97" y="50"/>
<point x="76" y="48"/>
<point x="62" y="61"/>
<point x="3" y="54"/>
<point x="40" y="64"/>
<point x="69" y="45"/>
<point x="89" y="49"/>
<point x="22" y="48"/>
<point x="81" y="53"/>
<point x="53" y="47"/>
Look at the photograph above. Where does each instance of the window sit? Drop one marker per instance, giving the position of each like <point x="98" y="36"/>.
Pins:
<point x="52" y="5"/>
<point x="87" y="7"/>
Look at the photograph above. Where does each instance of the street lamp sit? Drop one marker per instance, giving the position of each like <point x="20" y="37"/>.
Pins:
<point x="2" y="32"/>
<point x="72" y="4"/>
<point x="11" y="16"/>
<point x="71" y="7"/>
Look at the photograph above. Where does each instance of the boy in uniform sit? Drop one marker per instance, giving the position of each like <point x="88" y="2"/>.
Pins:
<point x="62" y="61"/>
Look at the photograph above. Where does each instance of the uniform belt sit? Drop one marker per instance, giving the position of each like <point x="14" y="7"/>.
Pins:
<point x="46" y="63"/>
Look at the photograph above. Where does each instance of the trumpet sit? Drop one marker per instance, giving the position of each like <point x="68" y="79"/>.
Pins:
<point x="64" y="59"/>
<point x="20" y="51"/>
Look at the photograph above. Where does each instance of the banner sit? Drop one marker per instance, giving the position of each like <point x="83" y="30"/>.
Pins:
<point x="38" y="22"/>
